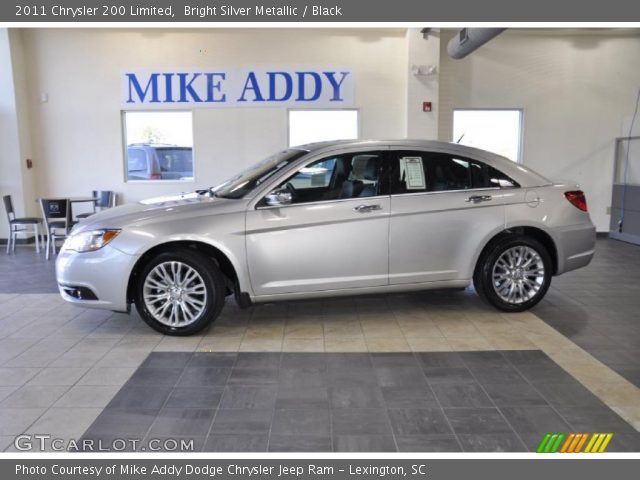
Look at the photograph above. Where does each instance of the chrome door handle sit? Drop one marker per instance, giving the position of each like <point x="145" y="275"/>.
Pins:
<point x="478" y="198"/>
<point x="367" y="208"/>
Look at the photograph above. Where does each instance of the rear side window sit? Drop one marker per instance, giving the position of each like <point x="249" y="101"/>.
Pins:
<point x="418" y="171"/>
<point x="175" y="159"/>
<point x="136" y="160"/>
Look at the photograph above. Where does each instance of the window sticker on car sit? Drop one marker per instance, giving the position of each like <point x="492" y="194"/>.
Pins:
<point x="412" y="171"/>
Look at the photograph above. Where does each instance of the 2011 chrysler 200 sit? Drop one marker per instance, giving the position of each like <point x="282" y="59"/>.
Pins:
<point x="328" y="219"/>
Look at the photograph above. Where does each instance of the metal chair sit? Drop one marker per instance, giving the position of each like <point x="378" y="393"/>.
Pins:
<point x="17" y="225"/>
<point x="57" y="220"/>
<point x="104" y="199"/>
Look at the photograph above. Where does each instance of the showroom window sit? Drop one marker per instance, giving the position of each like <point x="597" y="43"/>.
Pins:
<point x="307" y="126"/>
<point x="419" y="171"/>
<point x="495" y="130"/>
<point x="158" y="146"/>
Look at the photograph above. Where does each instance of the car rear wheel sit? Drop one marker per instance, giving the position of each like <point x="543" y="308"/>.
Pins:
<point x="514" y="274"/>
<point x="180" y="292"/>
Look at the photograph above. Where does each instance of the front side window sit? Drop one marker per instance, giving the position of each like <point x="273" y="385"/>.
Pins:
<point x="353" y="175"/>
<point x="419" y="171"/>
<point x="158" y="145"/>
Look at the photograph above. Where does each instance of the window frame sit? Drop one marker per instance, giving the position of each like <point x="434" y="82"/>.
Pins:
<point x="125" y="146"/>
<point x="350" y="109"/>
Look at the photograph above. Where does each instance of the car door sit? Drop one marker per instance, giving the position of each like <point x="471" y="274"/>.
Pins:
<point x="442" y="207"/>
<point x="334" y="234"/>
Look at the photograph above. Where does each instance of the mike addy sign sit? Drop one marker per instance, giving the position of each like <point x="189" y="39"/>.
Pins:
<point x="326" y="87"/>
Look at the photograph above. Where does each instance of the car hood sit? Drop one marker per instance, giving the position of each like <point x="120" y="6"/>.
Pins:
<point x="157" y="209"/>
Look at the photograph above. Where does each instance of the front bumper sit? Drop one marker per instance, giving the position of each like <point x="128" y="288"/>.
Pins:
<point x="576" y="246"/>
<point x="105" y="273"/>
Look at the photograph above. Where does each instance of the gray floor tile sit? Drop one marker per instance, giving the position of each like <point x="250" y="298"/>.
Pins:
<point x="568" y="394"/>
<point x="195" y="397"/>
<point x="125" y="421"/>
<point x="394" y="360"/>
<point x="594" y="419"/>
<point x="213" y="359"/>
<point x="440" y="359"/>
<point x="483" y="359"/>
<point x="409" y="397"/>
<point x="242" y="421"/>
<point x="504" y="394"/>
<point x="504" y="442"/>
<point x="536" y="420"/>
<point x="545" y="374"/>
<point x="296" y="397"/>
<point x="498" y="374"/>
<point x="448" y="375"/>
<point x="167" y="360"/>
<point x="140" y="397"/>
<point x="316" y="361"/>
<point x="253" y="376"/>
<point x="236" y="443"/>
<point x="419" y="421"/>
<point x="58" y="376"/>
<point x="356" y="396"/>
<point x="157" y="376"/>
<point x="400" y="376"/>
<point x="308" y="422"/>
<point x="303" y="377"/>
<point x="242" y="396"/>
<point x="258" y="360"/>
<point x="428" y="443"/>
<point x="461" y="395"/>
<point x="360" y="421"/>
<point x="477" y="421"/>
<point x="299" y="443"/>
<point x="364" y="443"/>
<point x="352" y="376"/>
<point x="204" y="376"/>
<point x="338" y="361"/>
<point x="182" y="422"/>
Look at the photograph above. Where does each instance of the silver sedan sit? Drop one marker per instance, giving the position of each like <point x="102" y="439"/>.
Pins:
<point x="329" y="219"/>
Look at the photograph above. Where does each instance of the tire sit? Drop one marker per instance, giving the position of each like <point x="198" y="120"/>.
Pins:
<point x="190" y="286"/>
<point x="499" y="263"/>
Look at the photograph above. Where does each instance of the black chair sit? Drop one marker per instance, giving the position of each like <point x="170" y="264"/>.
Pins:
<point x="17" y="225"/>
<point x="57" y="220"/>
<point x="104" y="199"/>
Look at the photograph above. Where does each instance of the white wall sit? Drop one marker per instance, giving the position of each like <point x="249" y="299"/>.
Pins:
<point x="77" y="133"/>
<point x="576" y="89"/>
<point x="422" y="88"/>
<point x="15" y="180"/>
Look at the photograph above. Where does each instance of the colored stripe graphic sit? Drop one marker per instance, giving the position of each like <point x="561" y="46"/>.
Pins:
<point x="556" y="442"/>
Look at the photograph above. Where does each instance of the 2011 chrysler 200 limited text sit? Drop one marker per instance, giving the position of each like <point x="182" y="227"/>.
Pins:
<point x="334" y="218"/>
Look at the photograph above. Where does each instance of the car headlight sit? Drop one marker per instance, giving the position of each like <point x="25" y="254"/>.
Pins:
<point x="90" y="241"/>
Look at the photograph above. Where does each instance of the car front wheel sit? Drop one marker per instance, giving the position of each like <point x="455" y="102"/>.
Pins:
<point x="514" y="274"/>
<point x="179" y="292"/>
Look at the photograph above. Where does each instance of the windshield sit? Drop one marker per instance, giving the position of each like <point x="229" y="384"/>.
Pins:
<point x="243" y="183"/>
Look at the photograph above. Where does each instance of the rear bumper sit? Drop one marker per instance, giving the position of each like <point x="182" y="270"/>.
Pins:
<point x="576" y="246"/>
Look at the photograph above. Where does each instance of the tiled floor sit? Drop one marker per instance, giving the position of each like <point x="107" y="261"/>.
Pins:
<point x="60" y="365"/>
<point x="435" y="401"/>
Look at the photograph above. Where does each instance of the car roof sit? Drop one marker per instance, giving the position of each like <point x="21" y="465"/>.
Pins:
<point x="521" y="174"/>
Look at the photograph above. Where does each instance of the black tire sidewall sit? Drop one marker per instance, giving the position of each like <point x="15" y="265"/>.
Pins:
<point x="483" y="280"/>
<point x="214" y="285"/>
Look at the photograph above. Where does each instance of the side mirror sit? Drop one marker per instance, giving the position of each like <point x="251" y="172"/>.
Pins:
<point x="278" y="197"/>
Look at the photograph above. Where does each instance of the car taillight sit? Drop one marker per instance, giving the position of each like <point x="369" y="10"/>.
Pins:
<point x="156" y="176"/>
<point x="577" y="199"/>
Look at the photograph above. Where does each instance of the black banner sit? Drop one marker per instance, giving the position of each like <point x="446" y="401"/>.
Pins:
<point x="226" y="11"/>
